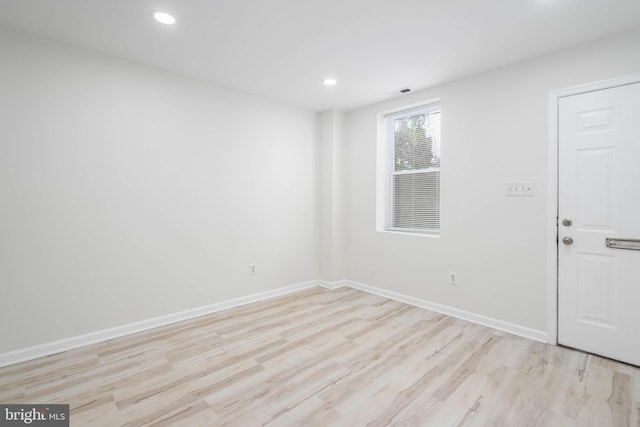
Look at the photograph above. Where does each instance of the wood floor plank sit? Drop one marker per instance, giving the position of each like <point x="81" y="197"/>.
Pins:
<point x="322" y="357"/>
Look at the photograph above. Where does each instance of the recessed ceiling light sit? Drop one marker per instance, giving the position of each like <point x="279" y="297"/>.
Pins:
<point x="164" y="18"/>
<point x="330" y="82"/>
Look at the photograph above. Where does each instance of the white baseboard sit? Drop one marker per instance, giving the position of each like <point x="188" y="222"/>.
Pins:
<point x="500" y="325"/>
<point x="47" y="349"/>
<point x="333" y="285"/>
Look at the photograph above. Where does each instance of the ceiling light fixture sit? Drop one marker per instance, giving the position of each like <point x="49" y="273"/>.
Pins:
<point x="164" y="18"/>
<point x="330" y="82"/>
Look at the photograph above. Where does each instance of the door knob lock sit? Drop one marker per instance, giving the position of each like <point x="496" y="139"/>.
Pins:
<point x="567" y="240"/>
<point x="567" y="222"/>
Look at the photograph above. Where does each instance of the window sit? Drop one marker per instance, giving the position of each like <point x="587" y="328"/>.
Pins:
<point x="413" y="201"/>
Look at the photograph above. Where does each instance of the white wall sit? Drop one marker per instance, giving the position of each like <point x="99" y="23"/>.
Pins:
<point x="494" y="130"/>
<point x="331" y="202"/>
<point x="129" y="193"/>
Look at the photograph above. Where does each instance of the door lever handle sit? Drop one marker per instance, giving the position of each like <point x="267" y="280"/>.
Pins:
<point x="631" y="244"/>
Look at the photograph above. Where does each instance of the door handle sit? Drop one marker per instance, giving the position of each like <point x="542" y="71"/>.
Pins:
<point x="631" y="244"/>
<point x="567" y="222"/>
<point x="567" y="240"/>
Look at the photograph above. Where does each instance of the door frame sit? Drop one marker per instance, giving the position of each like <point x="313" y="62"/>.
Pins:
<point x="553" y="162"/>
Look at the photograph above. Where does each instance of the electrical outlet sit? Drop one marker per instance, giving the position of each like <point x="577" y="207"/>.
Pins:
<point x="252" y="270"/>
<point x="453" y="278"/>
<point x="372" y="267"/>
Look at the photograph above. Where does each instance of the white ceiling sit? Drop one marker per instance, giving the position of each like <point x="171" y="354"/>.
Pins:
<point x="283" y="49"/>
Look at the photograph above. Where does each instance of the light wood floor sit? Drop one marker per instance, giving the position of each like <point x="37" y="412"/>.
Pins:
<point x="329" y="358"/>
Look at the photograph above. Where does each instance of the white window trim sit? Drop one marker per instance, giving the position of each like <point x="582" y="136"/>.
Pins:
<point x="383" y="168"/>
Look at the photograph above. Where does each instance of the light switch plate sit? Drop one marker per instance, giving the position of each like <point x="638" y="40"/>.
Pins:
<point x="515" y="189"/>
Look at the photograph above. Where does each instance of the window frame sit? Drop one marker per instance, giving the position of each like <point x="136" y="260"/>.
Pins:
<point x="387" y="137"/>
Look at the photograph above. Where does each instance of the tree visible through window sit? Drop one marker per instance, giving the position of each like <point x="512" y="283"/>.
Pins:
<point x="415" y="170"/>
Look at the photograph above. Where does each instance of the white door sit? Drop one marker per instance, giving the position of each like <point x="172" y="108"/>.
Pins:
<point x="599" y="199"/>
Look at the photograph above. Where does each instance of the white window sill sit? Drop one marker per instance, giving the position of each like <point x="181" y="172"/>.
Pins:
<point x="419" y="233"/>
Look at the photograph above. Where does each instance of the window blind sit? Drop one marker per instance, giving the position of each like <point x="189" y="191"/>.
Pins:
<point x="414" y="199"/>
